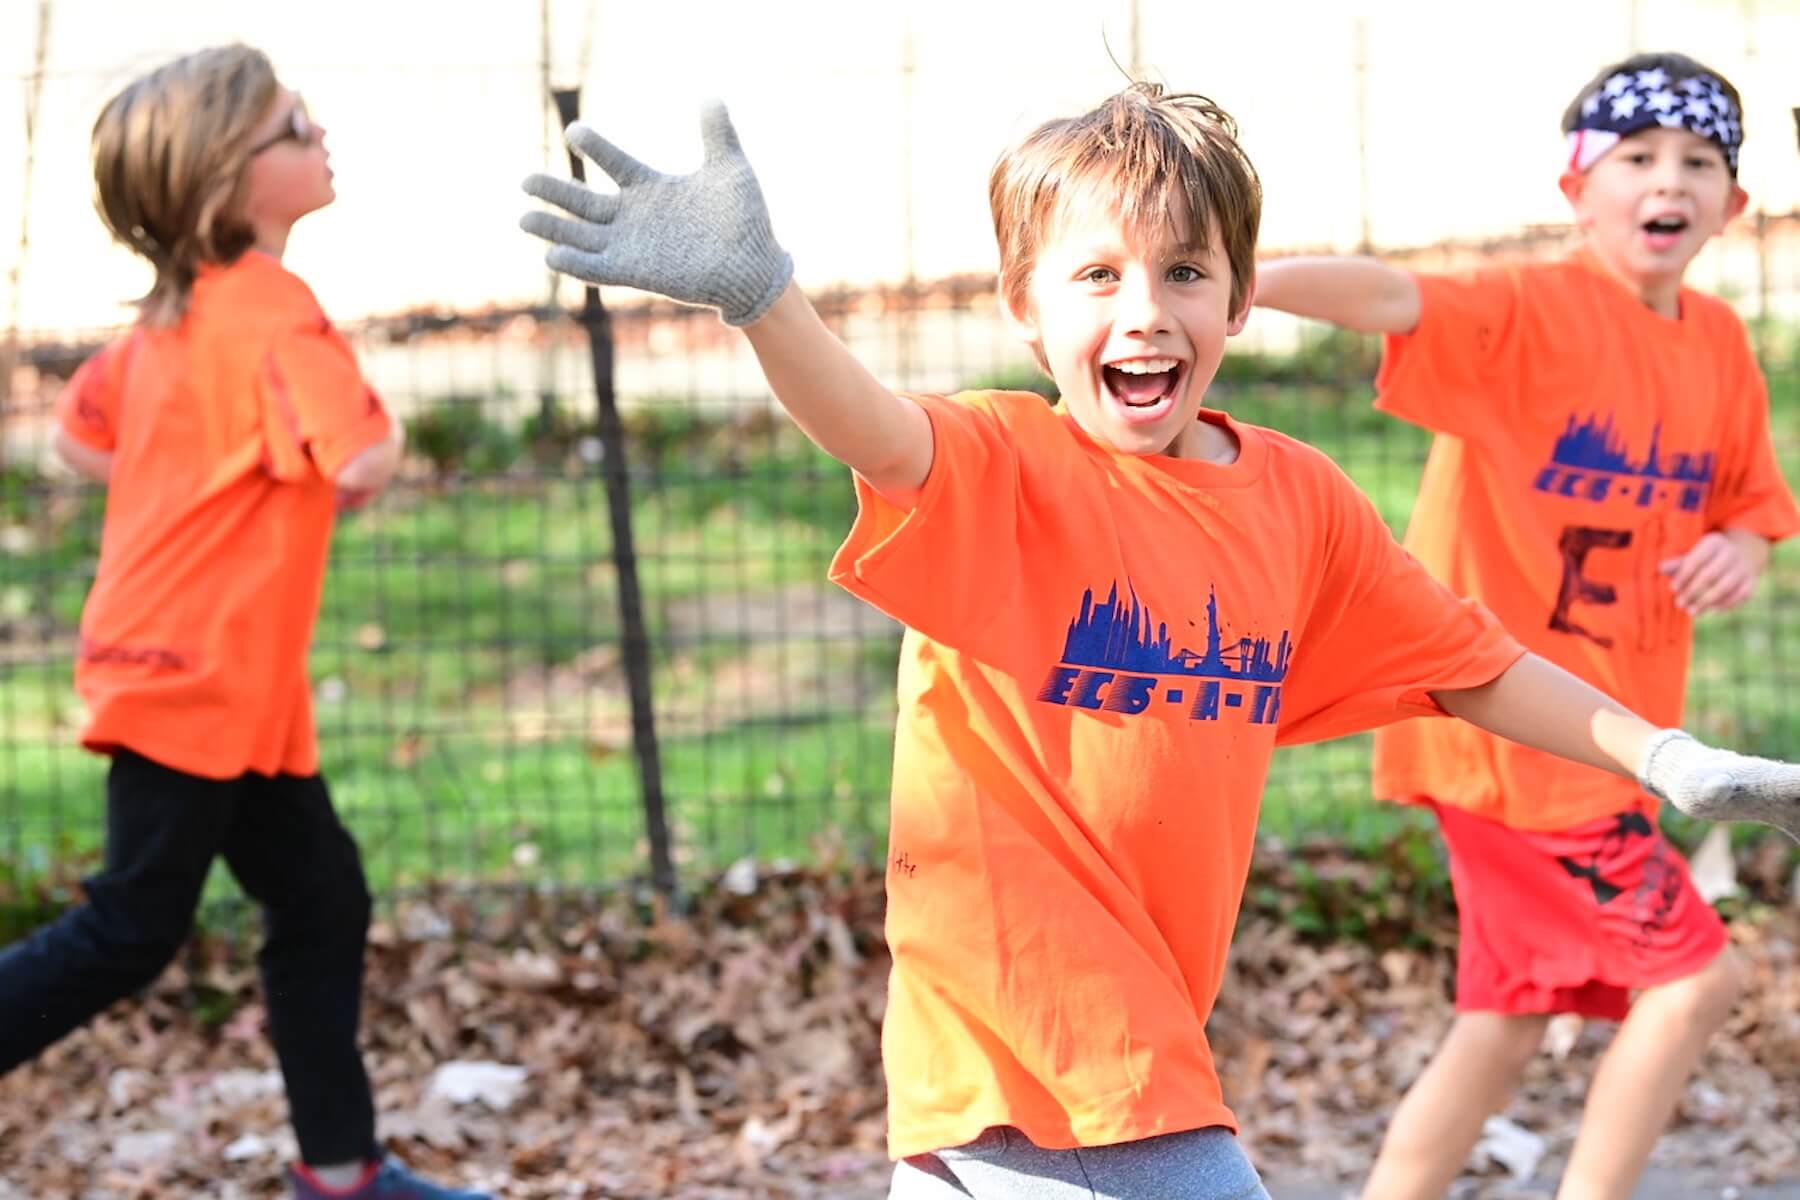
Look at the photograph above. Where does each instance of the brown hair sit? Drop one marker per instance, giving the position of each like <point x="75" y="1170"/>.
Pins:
<point x="1156" y="155"/>
<point x="169" y="152"/>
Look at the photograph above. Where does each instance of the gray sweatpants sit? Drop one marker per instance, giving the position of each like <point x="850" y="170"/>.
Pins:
<point x="1002" y="1164"/>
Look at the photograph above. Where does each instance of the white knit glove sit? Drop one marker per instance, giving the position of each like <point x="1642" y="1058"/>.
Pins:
<point x="702" y="238"/>
<point x="1719" y="785"/>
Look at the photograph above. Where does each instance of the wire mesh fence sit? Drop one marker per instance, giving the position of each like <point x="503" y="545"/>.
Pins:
<point x="470" y="676"/>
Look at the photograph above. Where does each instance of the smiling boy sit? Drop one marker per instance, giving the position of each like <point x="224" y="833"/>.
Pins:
<point x="1115" y="609"/>
<point x="1601" y="474"/>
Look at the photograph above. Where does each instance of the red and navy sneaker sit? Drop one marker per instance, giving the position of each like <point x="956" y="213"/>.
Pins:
<point x="387" y="1180"/>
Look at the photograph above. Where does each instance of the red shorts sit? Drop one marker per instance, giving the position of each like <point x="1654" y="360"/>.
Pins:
<point x="1572" y="920"/>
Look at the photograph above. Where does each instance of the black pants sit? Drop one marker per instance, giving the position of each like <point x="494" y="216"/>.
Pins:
<point x="283" y="840"/>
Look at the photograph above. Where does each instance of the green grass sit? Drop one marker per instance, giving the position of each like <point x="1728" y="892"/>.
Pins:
<point x="472" y="707"/>
<point x="459" y="804"/>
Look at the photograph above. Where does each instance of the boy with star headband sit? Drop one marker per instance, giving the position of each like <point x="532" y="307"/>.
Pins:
<point x="1602" y="474"/>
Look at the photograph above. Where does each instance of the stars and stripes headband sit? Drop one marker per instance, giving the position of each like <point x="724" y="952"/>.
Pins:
<point x="1632" y="100"/>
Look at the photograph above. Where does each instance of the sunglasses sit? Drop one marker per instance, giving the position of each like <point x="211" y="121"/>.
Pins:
<point x="299" y="129"/>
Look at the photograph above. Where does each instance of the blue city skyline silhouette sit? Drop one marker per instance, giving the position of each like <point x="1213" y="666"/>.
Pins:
<point x="1118" y="635"/>
<point x="1595" y="446"/>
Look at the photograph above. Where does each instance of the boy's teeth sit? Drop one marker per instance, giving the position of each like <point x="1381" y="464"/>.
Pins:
<point x="1142" y="381"/>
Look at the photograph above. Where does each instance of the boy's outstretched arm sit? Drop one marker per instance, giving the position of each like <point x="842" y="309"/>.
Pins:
<point x="1538" y="704"/>
<point x="1363" y="294"/>
<point x="706" y="239"/>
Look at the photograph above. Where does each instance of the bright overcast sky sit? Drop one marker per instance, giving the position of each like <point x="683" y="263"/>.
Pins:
<point x="434" y="114"/>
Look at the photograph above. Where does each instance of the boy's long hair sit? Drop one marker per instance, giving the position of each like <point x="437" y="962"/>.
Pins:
<point x="169" y="154"/>
<point x="1156" y="156"/>
<point x="1677" y="66"/>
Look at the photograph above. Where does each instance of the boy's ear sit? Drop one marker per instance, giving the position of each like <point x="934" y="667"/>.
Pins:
<point x="1018" y="318"/>
<point x="1572" y="184"/>
<point x="1740" y="200"/>
<point x="1241" y="318"/>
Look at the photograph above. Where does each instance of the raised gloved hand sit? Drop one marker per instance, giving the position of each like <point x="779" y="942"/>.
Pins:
<point x="1719" y="785"/>
<point x="702" y="238"/>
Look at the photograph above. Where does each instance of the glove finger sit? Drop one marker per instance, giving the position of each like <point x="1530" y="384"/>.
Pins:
<point x="582" y="235"/>
<point x="573" y="197"/>
<point x="717" y="134"/>
<point x="579" y="263"/>
<point x="619" y="166"/>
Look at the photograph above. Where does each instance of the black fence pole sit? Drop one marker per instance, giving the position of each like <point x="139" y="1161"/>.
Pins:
<point x="624" y="555"/>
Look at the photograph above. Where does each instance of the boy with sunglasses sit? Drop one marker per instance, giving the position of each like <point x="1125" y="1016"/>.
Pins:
<point x="227" y="427"/>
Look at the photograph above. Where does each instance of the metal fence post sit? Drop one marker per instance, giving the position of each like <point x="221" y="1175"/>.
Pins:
<point x="636" y="640"/>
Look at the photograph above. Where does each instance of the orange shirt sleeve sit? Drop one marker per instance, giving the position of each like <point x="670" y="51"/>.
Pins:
<point x="1751" y="493"/>
<point x="1458" y="372"/>
<point x="88" y="407"/>
<point x="1382" y="633"/>
<point x="316" y="404"/>
<point x="949" y="565"/>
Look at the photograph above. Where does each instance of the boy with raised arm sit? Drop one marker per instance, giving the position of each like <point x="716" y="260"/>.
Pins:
<point x="1601" y="474"/>
<point x="1115" y="609"/>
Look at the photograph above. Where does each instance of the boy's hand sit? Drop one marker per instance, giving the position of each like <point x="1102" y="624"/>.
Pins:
<point x="1719" y="785"/>
<point x="1714" y="576"/>
<point x="351" y="499"/>
<point x="702" y="238"/>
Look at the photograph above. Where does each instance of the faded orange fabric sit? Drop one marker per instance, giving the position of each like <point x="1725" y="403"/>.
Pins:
<point x="1581" y="440"/>
<point x="1102" y="653"/>
<point x="226" y="431"/>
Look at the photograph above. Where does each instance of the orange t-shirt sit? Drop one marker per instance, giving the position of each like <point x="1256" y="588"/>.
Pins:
<point x="1102" y="651"/>
<point x="225" y="433"/>
<point x="1581" y="440"/>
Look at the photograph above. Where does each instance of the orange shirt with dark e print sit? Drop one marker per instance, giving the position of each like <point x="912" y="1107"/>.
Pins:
<point x="1582" y="440"/>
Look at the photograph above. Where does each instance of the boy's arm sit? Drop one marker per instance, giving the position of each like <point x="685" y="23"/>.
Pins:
<point x="361" y="479"/>
<point x="1538" y="704"/>
<point x="706" y="239"/>
<point x="83" y="459"/>
<point x="1362" y="294"/>
<point x="837" y="403"/>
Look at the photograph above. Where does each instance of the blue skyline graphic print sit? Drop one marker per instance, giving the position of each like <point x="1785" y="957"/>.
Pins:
<point x="1117" y="657"/>
<point x="1592" y="461"/>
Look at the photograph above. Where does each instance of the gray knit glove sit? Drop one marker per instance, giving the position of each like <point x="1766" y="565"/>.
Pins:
<point x="701" y="239"/>
<point x="1718" y="785"/>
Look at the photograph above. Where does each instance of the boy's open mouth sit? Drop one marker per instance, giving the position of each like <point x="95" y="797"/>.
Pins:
<point x="1664" y="232"/>
<point x="1142" y="382"/>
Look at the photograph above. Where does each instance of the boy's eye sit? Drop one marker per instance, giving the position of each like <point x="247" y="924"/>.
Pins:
<point x="1699" y="162"/>
<point x="1186" y="274"/>
<point x="1099" y="275"/>
<point x="1639" y="157"/>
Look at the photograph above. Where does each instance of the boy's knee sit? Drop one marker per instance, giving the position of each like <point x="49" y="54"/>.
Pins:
<point x="1509" y="1038"/>
<point x="136" y="949"/>
<point x="1722" y="984"/>
<point x="1707" y="997"/>
<point x="336" y="911"/>
<point x="347" y="913"/>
